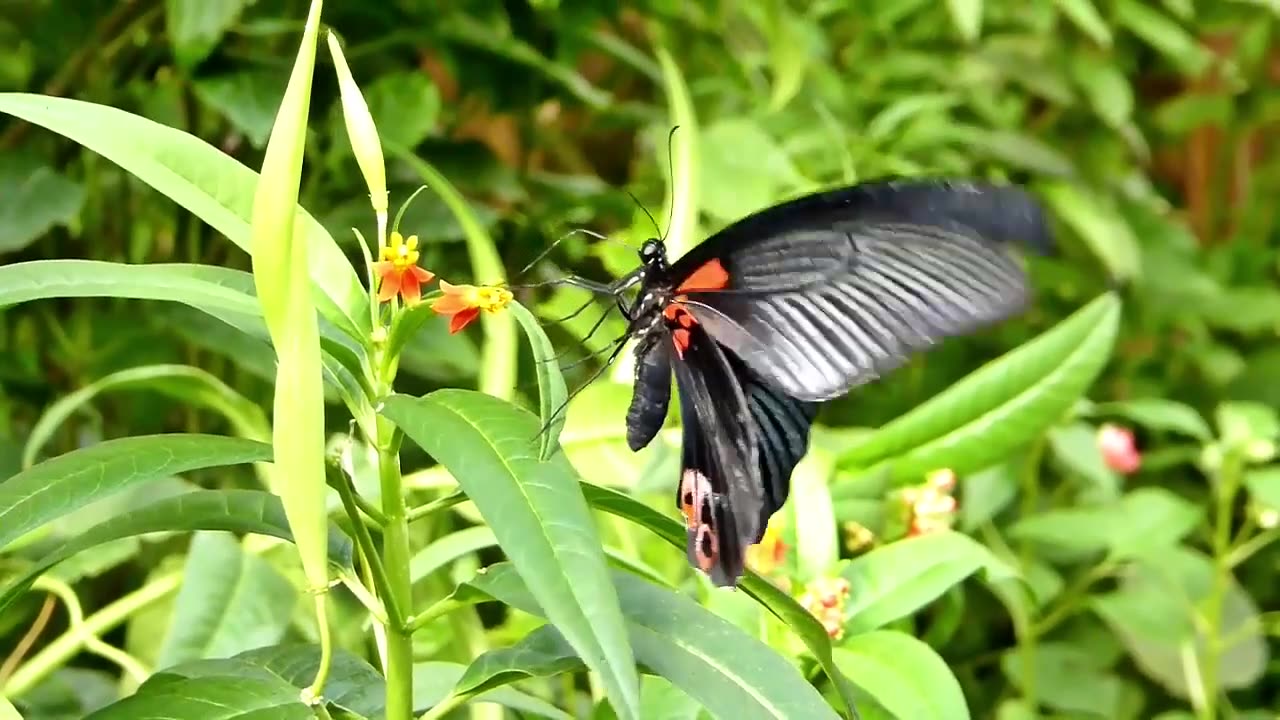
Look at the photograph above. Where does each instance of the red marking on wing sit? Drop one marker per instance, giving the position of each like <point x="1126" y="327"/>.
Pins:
<point x="680" y="337"/>
<point x="709" y="277"/>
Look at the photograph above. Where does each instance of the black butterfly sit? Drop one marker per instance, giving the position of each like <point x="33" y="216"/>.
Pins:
<point x="797" y="304"/>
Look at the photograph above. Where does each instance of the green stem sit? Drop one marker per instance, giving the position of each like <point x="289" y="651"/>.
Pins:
<point x="435" y="506"/>
<point x="1068" y="601"/>
<point x="444" y="707"/>
<point x="395" y="562"/>
<point x="1228" y="482"/>
<point x="368" y="552"/>
<point x="1029" y="507"/>
<point x="58" y="652"/>
<point x="1247" y="548"/>
<point x="440" y="609"/>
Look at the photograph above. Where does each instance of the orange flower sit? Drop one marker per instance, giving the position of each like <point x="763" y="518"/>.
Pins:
<point x="399" y="272"/>
<point x="464" y="302"/>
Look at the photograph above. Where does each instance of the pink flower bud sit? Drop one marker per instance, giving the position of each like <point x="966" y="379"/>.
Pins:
<point x="1118" y="449"/>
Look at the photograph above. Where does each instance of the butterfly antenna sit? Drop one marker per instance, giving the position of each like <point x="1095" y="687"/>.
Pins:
<point x="648" y="214"/>
<point x="671" y="168"/>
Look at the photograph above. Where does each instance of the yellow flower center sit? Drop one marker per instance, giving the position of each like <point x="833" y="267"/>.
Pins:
<point x="402" y="252"/>
<point x="489" y="299"/>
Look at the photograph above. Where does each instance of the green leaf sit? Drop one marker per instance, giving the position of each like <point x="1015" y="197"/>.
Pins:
<point x="967" y="16"/>
<point x="897" y="579"/>
<point x="1086" y="17"/>
<point x="552" y="393"/>
<point x="210" y="184"/>
<point x="210" y="698"/>
<point x="1060" y="670"/>
<point x="8" y="711"/>
<point x="230" y="601"/>
<point x="405" y="107"/>
<point x="1144" y="522"/>
<point x="35" y="200"/>
<point x="1264" y="486"/>
<point x="190" y="385"/>
<point x="240" y="511"/>
<point x="196" y="26"/>
<point x="65" y="483"/>
<point x="1101" y="227"/>
<point x="1002" y="405"/>
<point x="1158" y="414"/>
<point x="247" y="99"/>
<point x="1178" y="46"/>
<point x="1153" y="612"/>
<point x="1240" y="423"/>
<point x="541" y="653"/>
<point x="731" y="673"/>
<point x="434" y="681"/>
<point x="449" y="548"/>
<point x="351" y="685"/>
<point x="905" y="676"/>
<point x="737" y="182"/>
<point x="986" y="493"/>
<point x="1075" y="448"/>
<point x="783" y="606"/>
<point x="538" y="514"/>
<point x="683" y="204"/>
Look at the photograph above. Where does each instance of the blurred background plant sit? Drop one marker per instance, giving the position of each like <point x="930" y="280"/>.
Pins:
<point x="1143" y="531"/>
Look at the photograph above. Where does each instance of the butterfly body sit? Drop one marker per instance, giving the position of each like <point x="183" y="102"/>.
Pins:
<point x="797" y="304"/>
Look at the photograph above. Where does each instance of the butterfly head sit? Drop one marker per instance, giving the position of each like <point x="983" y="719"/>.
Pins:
<point x="653" y="253"/>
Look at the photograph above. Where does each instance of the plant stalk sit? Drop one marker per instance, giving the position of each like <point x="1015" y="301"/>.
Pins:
<point x="395" y="562"/>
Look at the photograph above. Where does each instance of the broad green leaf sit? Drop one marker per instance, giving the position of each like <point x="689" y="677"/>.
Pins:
<point x="782" y="605"/>
<point x="1240" y="423"/>
<point x="539" y="516"/>
<point x="1000" y="406"/>
<point x="241" y="511"/>
<point x="1096" y="222"/>
<point x="8" y="711"/>
<point x="498" y="358"/>
<point x="1145" y="521"/>
<point x="1085" y="16"/>
<point x="1075" y="530"/>
<point x="445" y="550"/>
<point x="352" y="684"/>
<point x="897" y="579"/>
<point x="230" y="601"/>
<point x="279" y="254"/>
<point x="209" y="183"/>
<point x="65" y="483"/>
<point x="1013" y="148"/>
<point x="1158" y="414"/>
<point x="967" y="16"/>
<point x="1153" y="612"/>
<point x="1060" y="670"/>
<point x="196" y="26"/>
<point x="190" y="385"/>
<point x="1075" y="448"/>
<point x="1264" y="486"/>
<point x="434" y="681"/>
<point x="731" y="673"/>
<point x="660" y="700"/>
<point x="405" y="106"/>
<point x="552" y="393"/>
<point x="986" y="493"/>
<point x="35" y="199"/>
<point x="210" y="698"/>
<point x="1106" y="87"/>
<point x="247" y="99"/>
<point x="541" y="653"/>
<point x="905" y="676"/>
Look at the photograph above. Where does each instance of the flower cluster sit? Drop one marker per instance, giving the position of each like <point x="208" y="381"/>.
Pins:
<point x="857" y="537"/>
<point x="1118" y="448"/>
<point x="825" y="599"/>
<point x="399" y="275"/>
<point x="931" y="507"/>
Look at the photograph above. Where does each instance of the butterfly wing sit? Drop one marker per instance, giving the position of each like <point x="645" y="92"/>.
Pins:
<point x="832" y="290"/>
<point x="720" y="493"/>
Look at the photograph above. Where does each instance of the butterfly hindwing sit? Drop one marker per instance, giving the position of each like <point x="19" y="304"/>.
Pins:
<point x="720" y="493"/>
<point x="830" y="291"/>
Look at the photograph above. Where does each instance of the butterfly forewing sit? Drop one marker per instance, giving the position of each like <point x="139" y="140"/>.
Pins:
<point x="912" y="275"/>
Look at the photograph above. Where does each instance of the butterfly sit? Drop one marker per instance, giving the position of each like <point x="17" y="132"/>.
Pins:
<point x="797" y="304"/>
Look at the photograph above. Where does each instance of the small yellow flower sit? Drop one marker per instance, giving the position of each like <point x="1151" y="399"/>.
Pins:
<point x="399" y="271"/>
<point x="464" y="302"/>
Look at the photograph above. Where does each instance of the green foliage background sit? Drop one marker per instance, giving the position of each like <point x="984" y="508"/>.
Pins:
<point x="1149" y="129"/>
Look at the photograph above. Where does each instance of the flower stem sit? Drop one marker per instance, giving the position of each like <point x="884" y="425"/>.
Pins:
<point x="1228" y="483"/>
<point x="395" y="562"/>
